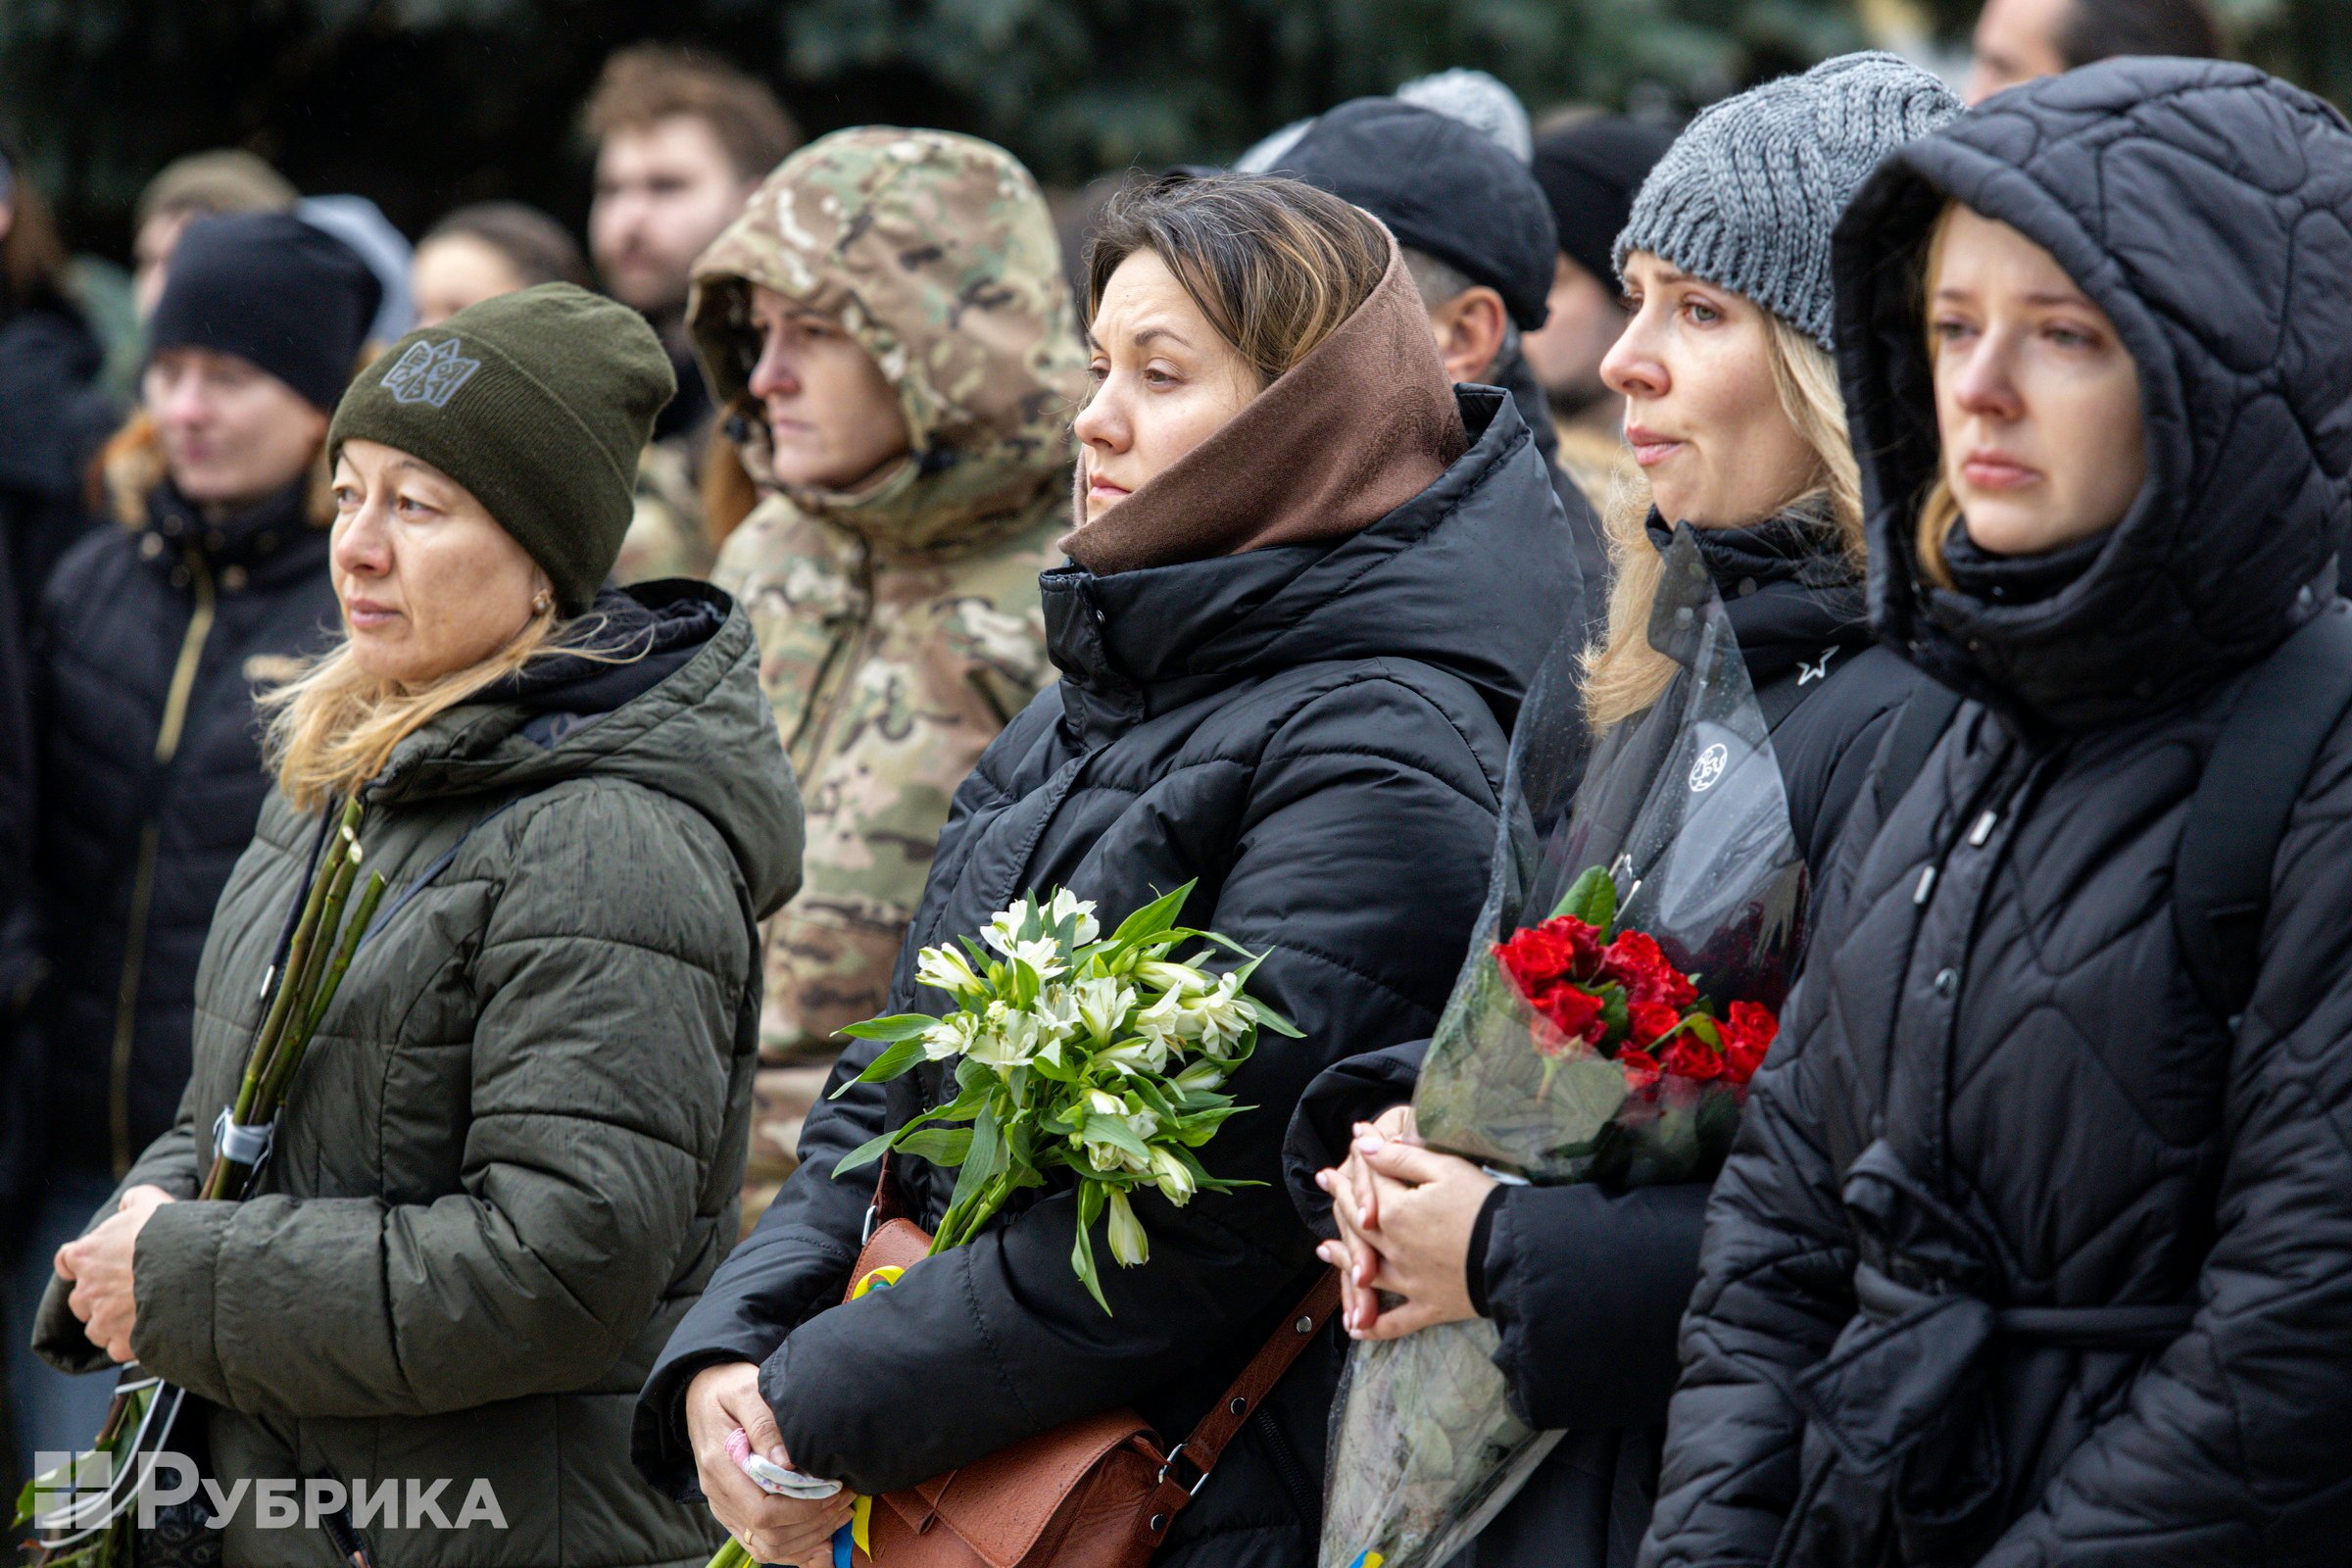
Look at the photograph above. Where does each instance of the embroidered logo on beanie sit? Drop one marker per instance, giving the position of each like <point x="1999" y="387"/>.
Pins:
<point x="430" y="372"/>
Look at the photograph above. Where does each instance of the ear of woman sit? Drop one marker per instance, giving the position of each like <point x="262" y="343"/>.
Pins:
<point x="2036" y="399"/>
<point x="429" y="581"/>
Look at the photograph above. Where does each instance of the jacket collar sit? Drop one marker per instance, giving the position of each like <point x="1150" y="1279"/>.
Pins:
<point x="1474" y="575"/>
<point x="272" y="539"/>
<point x="1788" y="587"/>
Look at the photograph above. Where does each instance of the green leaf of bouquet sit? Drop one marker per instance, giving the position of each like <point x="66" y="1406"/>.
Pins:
<point x="1082" y="1250"/>
<point x="888" y="1065"/>
<point x="1268" y="1018"/>
<point x="1699" y="1024"/>
<point x="981" y="1162"/>
<point x="941" y="1146"/>
<point x="1154" y="917"/>
<point x="1114" y="1131"/>
<point x="863" y="1154"/>
<point x="1592" y="899"/>
<point x="898" y="1026"/>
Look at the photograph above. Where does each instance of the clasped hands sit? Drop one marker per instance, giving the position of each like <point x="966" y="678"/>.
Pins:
<point x="1405" y="1215"/>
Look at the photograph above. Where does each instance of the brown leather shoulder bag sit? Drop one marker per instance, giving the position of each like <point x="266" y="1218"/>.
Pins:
<point x="1096" y="1493"/>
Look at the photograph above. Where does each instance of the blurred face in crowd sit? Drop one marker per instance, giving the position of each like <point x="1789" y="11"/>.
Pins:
<point x="2036" y="397"/>
<point x="150" y="257"/>
<point x="1585" y="319"/>
<point x="833" y="420"/>
<point x="232" y="433"/>
<point x="1702" y="410"/>
<point x="1164" y="382"/>
<point x="664" y="191"/>
<point x="456" y="270"/>
<point x="429" y="583"/>
<point x="2016" y="41"/>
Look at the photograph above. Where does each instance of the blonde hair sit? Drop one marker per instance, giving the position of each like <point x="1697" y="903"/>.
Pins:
<point x="334" y="726"/>
<point x="1623" y="673"/>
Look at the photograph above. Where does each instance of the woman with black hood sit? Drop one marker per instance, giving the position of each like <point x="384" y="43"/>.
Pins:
<point x="1311" y="580"/>
<point x="1732" y="406"/>
<point x="2029" y="1254"/>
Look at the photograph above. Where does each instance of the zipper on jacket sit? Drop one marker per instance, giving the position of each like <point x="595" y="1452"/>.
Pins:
<point x="833" y="676"/>
<point x="176" y="698"/>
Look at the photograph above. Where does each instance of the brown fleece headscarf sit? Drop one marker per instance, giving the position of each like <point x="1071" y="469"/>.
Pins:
<point x="1361" y="425"/>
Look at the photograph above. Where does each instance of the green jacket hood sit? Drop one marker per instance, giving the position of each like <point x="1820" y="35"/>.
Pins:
<point x="699" y="733"/>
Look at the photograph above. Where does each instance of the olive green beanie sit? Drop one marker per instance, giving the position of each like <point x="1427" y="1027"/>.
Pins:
<point x="539" y="402"/>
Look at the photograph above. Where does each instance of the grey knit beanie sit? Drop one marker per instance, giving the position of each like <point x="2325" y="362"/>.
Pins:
<point x="1747" y="197"/>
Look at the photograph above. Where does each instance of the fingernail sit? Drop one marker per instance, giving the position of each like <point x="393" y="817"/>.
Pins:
<point x="1323" y="1180"/>
<point x="1371" y="1143"/>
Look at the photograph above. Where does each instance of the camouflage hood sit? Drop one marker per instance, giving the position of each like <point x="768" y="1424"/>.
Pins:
<point x="935" y="252"/>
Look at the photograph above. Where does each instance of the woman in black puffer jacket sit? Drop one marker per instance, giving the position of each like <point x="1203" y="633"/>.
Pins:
<point x="1312" y="582"/>
<point x="2024" y="1258"/>
<point x="1732" y="400"/>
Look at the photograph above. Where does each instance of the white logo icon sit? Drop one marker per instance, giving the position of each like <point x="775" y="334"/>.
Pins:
<point x="429" y="374"/>
<point x="1709" y="768"/>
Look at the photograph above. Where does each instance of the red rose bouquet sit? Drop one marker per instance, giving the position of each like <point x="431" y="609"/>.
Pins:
<point x="1640" y="919"/>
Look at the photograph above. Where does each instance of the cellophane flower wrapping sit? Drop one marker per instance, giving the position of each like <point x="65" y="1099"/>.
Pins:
<point x="1683" y="810"/>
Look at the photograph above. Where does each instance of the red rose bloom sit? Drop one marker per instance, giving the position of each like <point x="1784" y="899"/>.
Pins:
<point x="1575" y="1013"/>
<point x="1635" y="961"/>
<point x="1747" y="1035"/>
<point x="1558" y="949"/>
<point x="1693" y="1059"/>
<point x="1640" y="1069"/>
<point x="1649" y="1021"/>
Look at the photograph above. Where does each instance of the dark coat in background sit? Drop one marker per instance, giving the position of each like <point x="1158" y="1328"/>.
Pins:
<point x="1586" y="1284"/>
<point x="1995" y="1086"/>
<point x="1316" y="733"/>
<point x="54" y="414"/>
<point x="152" y="643"/>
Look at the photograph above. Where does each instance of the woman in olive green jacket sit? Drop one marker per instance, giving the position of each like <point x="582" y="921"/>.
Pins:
<point x="509" y="1159"/>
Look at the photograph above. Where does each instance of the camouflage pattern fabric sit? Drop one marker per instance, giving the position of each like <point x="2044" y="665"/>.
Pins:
<point x="899" y="623"/>
<point x="666" y="535"/>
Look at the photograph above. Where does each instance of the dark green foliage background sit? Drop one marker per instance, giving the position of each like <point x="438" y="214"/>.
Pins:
<point x="424" y="103"/>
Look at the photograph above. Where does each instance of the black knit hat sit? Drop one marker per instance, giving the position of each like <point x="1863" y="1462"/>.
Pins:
<point x="539" y="404"/>
<point x="1443" y="188"/>
<point x="1589" y="170"/>
<point x="274" y="291"/>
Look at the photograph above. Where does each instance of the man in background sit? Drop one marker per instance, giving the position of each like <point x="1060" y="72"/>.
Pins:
<point x="225" y="180"/>
<point x="2018" y="40"/>
<point x="1478" y="238"/>
<point x="681" y="141"/>
<point x="1589" y="167"/>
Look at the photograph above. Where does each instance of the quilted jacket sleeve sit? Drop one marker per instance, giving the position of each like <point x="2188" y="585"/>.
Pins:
<point x="2231" y="1447"/>
<point x="608" y="981"/>
<point x="999" y="1332"/>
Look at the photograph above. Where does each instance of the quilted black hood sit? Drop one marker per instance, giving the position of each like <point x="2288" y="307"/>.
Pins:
<point x="2207" y="208"/>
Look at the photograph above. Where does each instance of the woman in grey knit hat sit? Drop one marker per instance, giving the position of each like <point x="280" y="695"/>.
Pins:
<point x="1732" y="411"/>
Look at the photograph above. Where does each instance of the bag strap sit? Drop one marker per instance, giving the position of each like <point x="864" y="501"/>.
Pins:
<point x="2238" y="816"/>
<point x="1238" y="1403"/>
<point x="1927" y="713"/>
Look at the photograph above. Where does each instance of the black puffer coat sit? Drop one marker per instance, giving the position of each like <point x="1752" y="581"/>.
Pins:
<point x="150" y="646"/>
<point x="1318" y="734"/>
<point x="1586" y="1284"/>
<point x="1996" y="1087"/>
<point x="53" y="417"/>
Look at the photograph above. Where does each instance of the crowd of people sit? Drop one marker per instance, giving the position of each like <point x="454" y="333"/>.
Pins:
<point x="885" y="541"/>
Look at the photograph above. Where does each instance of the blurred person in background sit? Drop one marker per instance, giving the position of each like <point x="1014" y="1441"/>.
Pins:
<point x="490" y="248"/>
<point x="53" y="413"/>
<point x="2018" y="40"/>
<point x="225" y="180"/>
<point x="681" y="140"/>
<point x="891" y="572"/>
<point x="1477" y="237"/>
<point x="1589" y="166"/>
<point x="151" y="641"/>
<point x="362" y="224"/>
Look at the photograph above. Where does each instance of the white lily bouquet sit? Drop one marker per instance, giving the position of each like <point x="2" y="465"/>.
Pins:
<point x="1073" y="1052"/>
